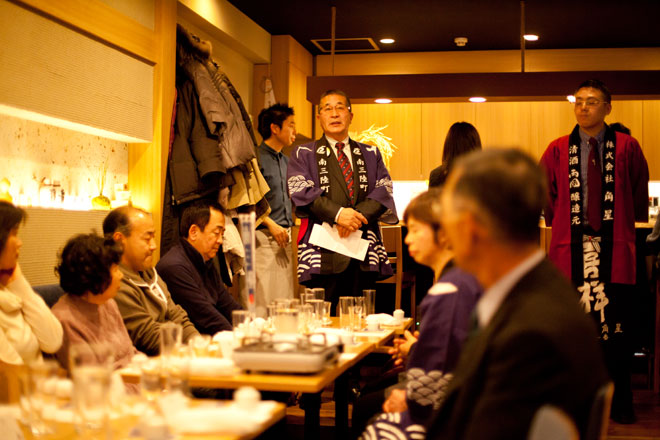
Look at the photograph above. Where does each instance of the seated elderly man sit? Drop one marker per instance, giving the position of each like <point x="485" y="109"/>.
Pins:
<point x="189" y="272"/>
<point x="143" y="299"/>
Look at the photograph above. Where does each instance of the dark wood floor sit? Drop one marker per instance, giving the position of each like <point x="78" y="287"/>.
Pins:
<point x="647" y="410"/>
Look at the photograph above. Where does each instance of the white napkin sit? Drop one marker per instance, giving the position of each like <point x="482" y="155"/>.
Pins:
<point x="216" y="418"/>
<point x="212" y="367"/>
<point x="386" y="319"/>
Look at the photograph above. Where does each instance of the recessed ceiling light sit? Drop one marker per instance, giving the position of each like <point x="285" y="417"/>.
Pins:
<point x="460" y="41"/>
<point x="571" y="99"/>
<point x="477" y="99"/>
<point x="531" y="37"/>
<point x="387" y="40"/>
<point x="383" y="100"/>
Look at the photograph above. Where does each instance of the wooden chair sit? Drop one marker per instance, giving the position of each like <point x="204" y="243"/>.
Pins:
<point x="391" y="235"/>
<point x="551" y="423"/>
<point x="599" y="415"/>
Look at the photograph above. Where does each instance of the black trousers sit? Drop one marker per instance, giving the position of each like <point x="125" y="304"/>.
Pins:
<point x="350" y="282"/>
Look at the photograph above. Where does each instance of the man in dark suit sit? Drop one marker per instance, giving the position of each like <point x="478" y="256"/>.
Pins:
<point x="345" y="184"/>
<point x="533" y="344"/>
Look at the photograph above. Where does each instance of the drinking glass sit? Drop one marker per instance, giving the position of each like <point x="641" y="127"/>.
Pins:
<point x="308" y="296"/>
<point x="345" y="312"/>
<point x="270" y="316"/>
<point x="91" y="369"/>
<point x="369" y="296"/>
<point x="306" y="319"/>
<point x="317" y="305"/>
<point x="177" y="370"/>
<point x="170" y="338"/>
<point x="37" y="396"/>
<point x="319" y="293"/>
<point x="200" y="345"/>
<point x="241" y="322"/>
<point x="286" y="319"/>
<point x="150" y="384"/>
<point x="358" y="310"/>
<point x="327" y="309"/>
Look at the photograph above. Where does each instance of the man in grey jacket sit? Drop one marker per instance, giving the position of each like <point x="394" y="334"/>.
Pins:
<point x="143" y="299"/>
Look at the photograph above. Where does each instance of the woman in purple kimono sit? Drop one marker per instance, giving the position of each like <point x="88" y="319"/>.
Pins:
<point x="446" y="310"/>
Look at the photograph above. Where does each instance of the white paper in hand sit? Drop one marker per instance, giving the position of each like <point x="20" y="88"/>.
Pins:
<point x="327" y="237"/>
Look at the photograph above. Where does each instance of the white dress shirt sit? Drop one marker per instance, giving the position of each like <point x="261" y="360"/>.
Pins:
<point x="494" y="296"/>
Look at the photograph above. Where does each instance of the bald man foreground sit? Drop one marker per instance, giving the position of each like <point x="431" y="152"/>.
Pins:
<point x="143" y="299"/>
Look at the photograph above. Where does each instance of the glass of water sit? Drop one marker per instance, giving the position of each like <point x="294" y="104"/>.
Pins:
<point x="150" y="382"/>
<point x="345" y="307"/>
<point x="170" y="338"/>
<point x="241" y="322"/>
<point x="358" y="311"/>
<point x="286" y="319"/>
<point x="91" y="369"/>
<point x="317" y="306"/>
<point x="369" y="296"/>
<point x="327" y="309"/>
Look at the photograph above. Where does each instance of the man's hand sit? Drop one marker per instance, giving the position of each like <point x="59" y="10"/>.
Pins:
<point x="396" y="402"/>
<point x="280" y="234"/>
<point x="343" y="232"/>
<point x="351" y="220"/>
<point x="402" y="347"/>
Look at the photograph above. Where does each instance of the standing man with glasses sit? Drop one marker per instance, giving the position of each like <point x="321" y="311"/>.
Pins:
<point x="345" y="184"/>
<point x="598" y="188"/>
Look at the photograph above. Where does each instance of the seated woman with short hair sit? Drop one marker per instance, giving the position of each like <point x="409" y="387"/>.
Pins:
<point x="432" y="356"/>
<point x="27" y="326"/>
<point x="90" y="276"/>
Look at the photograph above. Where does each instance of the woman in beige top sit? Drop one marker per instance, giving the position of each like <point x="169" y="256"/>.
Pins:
<point x="27" y="326"/>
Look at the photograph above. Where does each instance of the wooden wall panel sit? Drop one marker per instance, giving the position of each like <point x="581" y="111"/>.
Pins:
<point x="298" y="100"/>
<point x="403" y="126"/>
<point x="147" y="163"/>
<point x="419" y="130"/>
<point x="629" y="113"/>
<point x="505" y="124"/>
<point x="650" y="138"/>
<point x="436" y="120"/>
<point x="291" y="65"/>
<point x="537" y="60"/>
<point x="550" y="120"/>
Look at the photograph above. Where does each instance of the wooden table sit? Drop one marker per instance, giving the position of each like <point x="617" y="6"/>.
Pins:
<point x="122" y="427"/>
<point x="379" y="339"/>
<point x="311" y="385"/>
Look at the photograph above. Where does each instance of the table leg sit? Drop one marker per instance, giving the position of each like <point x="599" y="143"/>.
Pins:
<point x="341" y="406"/>
<point x="311" y="403"/>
